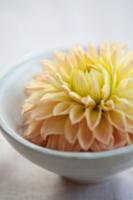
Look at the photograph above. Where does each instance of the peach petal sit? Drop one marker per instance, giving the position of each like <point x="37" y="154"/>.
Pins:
<point x="51" y="141"/>
<point x="85" y="136"/>
<point x="129" y="121"/>
<point x="98" y="146"/>
<point x="32" y="130"/>
<point x="76" y="113"/>
<point x="109" y="146"/>
<point x="37" y="140"/>
<point x="117" y="119"/>
<point x="70" y="131"/>
<point x="120" y="138"/>
<point x="95" y="146"/>
<point x="76" y="147"/>
<point x="53" y="126"/>
<point x="130" y="138"/>
<point x="93" y="117"/>
<point x="103" y="132"/>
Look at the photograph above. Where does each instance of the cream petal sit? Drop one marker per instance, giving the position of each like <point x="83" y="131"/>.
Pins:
<point x="75" y="96"/>
<point x="59" y="56"/>
<point x="27" y="119"/>
<point x="93" y="117"/>
<point x="62" y="108"/>
<point x="88" y="101"/>
<point x="54" y="79"/>
<point x="43" y="111"/>
<point x="32" y="130"/>
<point x="95" y="85"/>
<point x="34" y="97"/>
<point x="53" y="126"/>
<point x="64" y="61"/>
<point x="93" y="52"/>
<point x="126" y="67"/>
<point x="76" y="113"/>
<point x="35" y="85"/>
<point x="57" y="96"/>
<point x="50" y="66"/>
<point x="117" y="119"/>
<point x="71" y="131"/>
<point x="106" y="89"/>
<point x="117" y="52"/>
<point x="125" y="87"/>
<point x="79" y="83"/>
<point x="105" y="53"/>
<point x="108" y="105"/>
<point x="71" y="94"/>
<point x="27" y="107"/>
<point x="85" y="136"/>
<point x="103" y="132"/>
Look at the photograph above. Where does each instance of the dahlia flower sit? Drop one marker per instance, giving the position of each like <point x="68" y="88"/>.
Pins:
<point x="82" y="100"/>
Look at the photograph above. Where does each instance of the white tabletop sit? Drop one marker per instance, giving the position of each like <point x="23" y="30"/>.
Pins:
<point x="34" y="25"/>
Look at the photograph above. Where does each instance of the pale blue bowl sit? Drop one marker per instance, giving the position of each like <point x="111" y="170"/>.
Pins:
<point x="82" y="167"/>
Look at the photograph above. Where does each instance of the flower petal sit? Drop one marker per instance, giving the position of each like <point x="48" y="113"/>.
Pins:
<point x="130" y="138"/>
<point x="27" y="107"/>
<point x="33" y="130"/>
<point x="70" y="131"/>
<point x="53" y="126"/>
<point x="120" y="138"/>
<point x="79" y="83"/>
<point x="71" y="94"/>
<point x="85" y="136"/>
<point x="117" y="119"/>
<point x="88" y="101"/>
<point x="43" y="111"/>
<point x="76" y="113"/>
<point x="129" y="127"/>
<point x="57" y="96"/>
<point x="103" y="132"/>
<point x="62" y="108"/>
<point x="93" y="117"/>
<point x="98" y="146"/>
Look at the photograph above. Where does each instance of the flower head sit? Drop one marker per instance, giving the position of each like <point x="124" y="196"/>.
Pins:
<point x="82" y="100"/>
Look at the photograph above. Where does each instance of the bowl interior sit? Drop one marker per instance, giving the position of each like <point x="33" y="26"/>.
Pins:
<point x="12" y="97"/>
<point x="12" y="91"/>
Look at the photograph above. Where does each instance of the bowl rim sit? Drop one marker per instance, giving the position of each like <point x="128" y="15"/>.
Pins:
<point x="19" y="139"/>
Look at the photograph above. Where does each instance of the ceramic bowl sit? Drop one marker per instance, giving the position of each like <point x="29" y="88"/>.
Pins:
<point x="81" y="167"/>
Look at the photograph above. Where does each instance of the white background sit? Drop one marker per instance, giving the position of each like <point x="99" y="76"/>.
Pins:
<point x="34" y="25"/>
